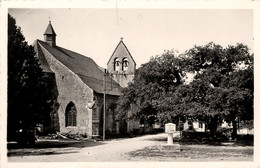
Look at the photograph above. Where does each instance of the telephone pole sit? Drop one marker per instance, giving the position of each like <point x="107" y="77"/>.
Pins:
<point x="104" y="108"/>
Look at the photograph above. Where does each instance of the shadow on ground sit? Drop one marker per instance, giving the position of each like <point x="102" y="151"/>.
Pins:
<point x="37" y="153"/>
<point x="194" y="141"/>
<point x="49" y="147"/>
<point x="158" y="139"/>
<point x="56" y="144"/>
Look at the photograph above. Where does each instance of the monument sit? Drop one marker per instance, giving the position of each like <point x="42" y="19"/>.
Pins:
<point x="170" y="128"/>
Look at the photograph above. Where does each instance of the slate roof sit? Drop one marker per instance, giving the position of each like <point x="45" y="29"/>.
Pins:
<point x="121" y="43"/>
<point x="42" y="60"/>
<point x="83" y="66"/>
<point x="50" y="30"/>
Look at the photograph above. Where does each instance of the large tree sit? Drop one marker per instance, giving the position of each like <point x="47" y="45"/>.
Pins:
<point x="152" y="86"/>
<point x="223" y="84"/>
<point x="221" y="89"/>
<point x="29" y="99"/>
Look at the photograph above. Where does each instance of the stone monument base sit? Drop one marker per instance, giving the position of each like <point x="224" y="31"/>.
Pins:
<point x="170" y="147"/>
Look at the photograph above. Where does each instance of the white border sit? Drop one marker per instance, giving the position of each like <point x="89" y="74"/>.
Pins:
<point x="166" y="4"/>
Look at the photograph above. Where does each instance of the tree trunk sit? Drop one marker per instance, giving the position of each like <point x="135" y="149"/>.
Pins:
<point x="234" y="134"/>
<point x="213" y="126"/>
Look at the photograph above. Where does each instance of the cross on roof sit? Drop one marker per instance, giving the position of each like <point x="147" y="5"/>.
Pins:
<point x="121" y="38"/>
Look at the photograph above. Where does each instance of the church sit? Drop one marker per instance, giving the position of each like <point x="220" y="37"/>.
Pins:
<point x="80" y="84"/>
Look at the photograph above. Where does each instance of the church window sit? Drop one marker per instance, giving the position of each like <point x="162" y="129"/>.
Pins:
<point x="49" y="38"/>
<point x="116" y="64"/>
<point x="71" y="115"/>
<point x="125" y="64"/>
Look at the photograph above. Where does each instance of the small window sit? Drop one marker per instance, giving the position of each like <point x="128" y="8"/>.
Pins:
<point x="71" y="115"/>
<point x="200" y="125"/>
<point x="125" y="64"/>
<point x="116" y="64"/>
<point x="49" y="38"/>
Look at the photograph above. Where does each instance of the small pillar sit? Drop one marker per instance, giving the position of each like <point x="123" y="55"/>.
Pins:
<point x="170" y="139"/>
<point x="170" y="128"/>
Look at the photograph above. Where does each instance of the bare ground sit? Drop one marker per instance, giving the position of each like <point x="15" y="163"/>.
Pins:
<point x="144" y="148"/>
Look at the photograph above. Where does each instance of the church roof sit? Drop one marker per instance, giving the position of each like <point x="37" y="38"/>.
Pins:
<point x="121" y="43"/>
<point x="85" y="67"/>
<point x="50" y="30"/>
<point x="42" y="60"/>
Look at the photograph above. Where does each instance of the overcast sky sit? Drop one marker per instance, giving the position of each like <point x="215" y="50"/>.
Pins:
<point x="147" y="32"/>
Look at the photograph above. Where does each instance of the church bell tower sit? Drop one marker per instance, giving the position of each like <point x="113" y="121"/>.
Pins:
<point x="121" y="65"/>
<point x="50" y="35"/>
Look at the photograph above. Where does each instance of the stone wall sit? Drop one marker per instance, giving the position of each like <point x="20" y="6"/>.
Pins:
<point x="131" y="122"/>
<point x="54" y="117"/>
<point x="121" y="53"/>
<point x="122" y="78"/>
<point x="98" y="111"/>
<point x="72" y="89"/>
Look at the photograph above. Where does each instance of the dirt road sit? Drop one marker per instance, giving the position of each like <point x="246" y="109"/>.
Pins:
<point x="145" y="148"/>
<point x="112" y="150"/>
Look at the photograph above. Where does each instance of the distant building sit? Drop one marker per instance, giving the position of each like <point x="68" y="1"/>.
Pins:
<point x="240" y="131"/>
<point x="196" y="125"/>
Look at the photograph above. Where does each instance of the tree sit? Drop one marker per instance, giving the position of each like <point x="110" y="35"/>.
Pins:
<point x="222" y="87"/>
<point x="29" y="99"/>
<point x="152" y="86"/>
<point x="225" y="80"/>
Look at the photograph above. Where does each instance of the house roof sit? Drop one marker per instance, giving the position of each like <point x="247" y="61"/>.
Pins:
<point x="119" y="44"/>
<point x="49" y="30"/>
<point x="85" y="67"/>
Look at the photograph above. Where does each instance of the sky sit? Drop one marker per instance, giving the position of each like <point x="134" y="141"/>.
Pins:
<point x="95" y="32"/>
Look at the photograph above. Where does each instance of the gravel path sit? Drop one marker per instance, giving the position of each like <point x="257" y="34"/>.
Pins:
<point x="112" y="150"/>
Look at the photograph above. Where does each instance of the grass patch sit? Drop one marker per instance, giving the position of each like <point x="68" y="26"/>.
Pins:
<point x="194" y="153"/>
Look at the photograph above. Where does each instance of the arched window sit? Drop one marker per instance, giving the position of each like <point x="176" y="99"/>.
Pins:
<point x="125" y="64"/>
<point x="71" y="115"/>
<point x="116" y="64"/>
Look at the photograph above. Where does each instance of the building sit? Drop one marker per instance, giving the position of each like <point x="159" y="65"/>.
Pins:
<point x="197" y="125"/>
<point x="79" y="85"/>
<point x="121" y="65"/>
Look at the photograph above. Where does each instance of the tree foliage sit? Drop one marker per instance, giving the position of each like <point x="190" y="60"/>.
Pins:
<point x="29" y="98"/>
<point x="223" y="84"/>
<point x="153" y="82"/>
<point x="222" y="87"/>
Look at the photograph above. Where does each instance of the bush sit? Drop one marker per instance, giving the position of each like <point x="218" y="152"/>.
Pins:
<point x="194" y="135"/>
<point x="245" y="137"/>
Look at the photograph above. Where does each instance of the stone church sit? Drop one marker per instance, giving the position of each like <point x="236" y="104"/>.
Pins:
<point x="79" y="85"/>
